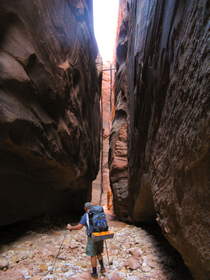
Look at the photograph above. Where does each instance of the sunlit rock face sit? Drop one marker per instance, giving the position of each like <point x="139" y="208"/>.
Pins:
<point x="107" y="82"/>
<point x="118" y="157"/>
<point x="168" y="123"/>
<point x="49" y="107"/>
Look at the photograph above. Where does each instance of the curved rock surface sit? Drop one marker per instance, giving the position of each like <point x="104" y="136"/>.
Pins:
<point x="49" y="107"/>
<point x="118" y="152"/>
<point x="168" y="123"/>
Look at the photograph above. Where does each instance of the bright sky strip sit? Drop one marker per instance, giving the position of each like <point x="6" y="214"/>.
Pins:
<point x="105" y="25"/>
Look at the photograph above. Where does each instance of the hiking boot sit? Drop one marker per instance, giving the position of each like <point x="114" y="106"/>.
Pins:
<point x="94" y="275"/>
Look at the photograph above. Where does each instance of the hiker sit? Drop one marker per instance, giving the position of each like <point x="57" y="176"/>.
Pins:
<point x="93" y="249"/>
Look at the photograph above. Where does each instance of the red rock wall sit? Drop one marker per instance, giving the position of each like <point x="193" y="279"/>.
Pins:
<point x="168" y="123"/>
<point x="118" y="157"/>
<point x="49" y="107"/>
<point x="107" y="88"/>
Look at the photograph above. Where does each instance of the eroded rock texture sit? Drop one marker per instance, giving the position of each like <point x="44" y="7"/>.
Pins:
<point x="118" y="160"/>
<point x="168" y="123"/>
<point x="49" y="107"/>
<point x="106" y="90"/>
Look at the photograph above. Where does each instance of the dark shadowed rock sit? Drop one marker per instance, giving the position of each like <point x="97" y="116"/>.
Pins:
<point x="49" y="107"/>
<point x="168" y="123"/>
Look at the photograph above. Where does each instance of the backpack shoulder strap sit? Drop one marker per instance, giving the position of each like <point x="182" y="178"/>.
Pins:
<point x="87" y="220"/>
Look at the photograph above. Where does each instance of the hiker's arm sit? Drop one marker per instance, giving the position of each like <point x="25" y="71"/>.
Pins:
<point x="77" y="227"/>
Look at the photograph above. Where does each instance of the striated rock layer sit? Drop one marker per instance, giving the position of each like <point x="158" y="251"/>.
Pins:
<point x="49" y="107"/>
<point x="106" y="90"/>
<point x="118" y="157"/>
<point x="168" y="123"/>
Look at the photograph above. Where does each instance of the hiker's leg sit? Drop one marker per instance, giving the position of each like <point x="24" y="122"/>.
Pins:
<point x="94" y="273"/>
<point x="93" y="260"/>
<point x="90" y="251"/>
<point x="100" y="247"/>
<point x="100" y="259"/>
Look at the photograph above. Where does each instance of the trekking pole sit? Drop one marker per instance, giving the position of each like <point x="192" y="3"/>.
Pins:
<point x="107" y="253"/>
<point x="53" y="266"/>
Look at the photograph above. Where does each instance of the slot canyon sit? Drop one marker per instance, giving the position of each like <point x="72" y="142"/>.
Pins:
<point x="131" y="134"/>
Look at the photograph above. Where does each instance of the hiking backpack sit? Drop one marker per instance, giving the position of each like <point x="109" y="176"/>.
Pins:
<point x="97" y="220"/>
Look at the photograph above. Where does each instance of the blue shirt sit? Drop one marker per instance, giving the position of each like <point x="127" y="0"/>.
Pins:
<point x="83" y="221"/>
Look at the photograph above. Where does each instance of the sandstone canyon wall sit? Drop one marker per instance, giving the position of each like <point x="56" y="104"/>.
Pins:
<point x="118" y="159"/>
<point x="49" y="107"/>
<point x="168" y="122"/>
<point x="106" y="112"/>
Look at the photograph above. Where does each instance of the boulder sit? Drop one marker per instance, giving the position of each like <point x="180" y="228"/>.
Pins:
<point x="4" y="264"/>
<point x="114" y="276"/>
<point x="133" y="263"/>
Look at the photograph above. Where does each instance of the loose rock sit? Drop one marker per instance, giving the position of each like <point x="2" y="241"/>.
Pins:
<point x="4" y="264"/>
<point x="132" y="263"/>
<point x="114" y="276"/>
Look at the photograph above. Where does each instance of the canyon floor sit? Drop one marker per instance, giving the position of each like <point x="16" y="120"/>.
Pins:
<point x="28" y="251"/>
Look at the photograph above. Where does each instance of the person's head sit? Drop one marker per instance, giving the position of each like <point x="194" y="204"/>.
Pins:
<point x="87" y="206"/>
